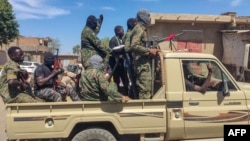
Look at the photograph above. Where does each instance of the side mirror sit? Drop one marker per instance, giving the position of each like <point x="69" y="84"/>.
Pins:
<point x="225" y="90"/>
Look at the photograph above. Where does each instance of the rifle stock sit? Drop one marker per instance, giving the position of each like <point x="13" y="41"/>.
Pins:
<point x="132" y="82"/>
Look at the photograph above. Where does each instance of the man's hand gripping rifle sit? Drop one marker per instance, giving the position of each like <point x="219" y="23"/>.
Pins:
<point x="57" y="66"/>
<point x="153" y="45"/>
<point x="128" y="65"/>
<point x="23" y="76"/>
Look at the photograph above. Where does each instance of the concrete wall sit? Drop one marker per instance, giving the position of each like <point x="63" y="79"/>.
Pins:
<point x="209" y="34"/>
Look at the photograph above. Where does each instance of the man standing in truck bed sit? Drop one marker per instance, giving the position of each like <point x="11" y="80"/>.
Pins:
<point x="116" y="60"/>
<point x="142" y="54"/>
<point x="90" y="43"/>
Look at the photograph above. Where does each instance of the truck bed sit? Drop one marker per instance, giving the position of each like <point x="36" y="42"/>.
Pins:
<point x="58" y="119"/>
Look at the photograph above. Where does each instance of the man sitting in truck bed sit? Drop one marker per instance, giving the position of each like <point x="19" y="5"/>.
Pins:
<point x="95" y="85"/>
<point x="12" y="89"/>
<point x="45" y="86"/>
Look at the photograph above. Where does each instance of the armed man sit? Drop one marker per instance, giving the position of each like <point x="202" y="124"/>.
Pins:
<point x="45" y="78"/>
<point x="131" y="22"/>
<point x="116" y="60"/>
<point x="142" y="59"/>
<point x="12" y="88"/>
<point x="90" y="43"/>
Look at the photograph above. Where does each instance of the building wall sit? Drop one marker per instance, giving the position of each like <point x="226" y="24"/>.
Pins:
<point x="209" y="34"/>
<point x="68" y="60"/>
<point x="33" y="48"/>
<point x="210" y="37"/>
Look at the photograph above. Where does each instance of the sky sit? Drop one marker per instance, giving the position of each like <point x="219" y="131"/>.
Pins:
<point x="64" y="20"/>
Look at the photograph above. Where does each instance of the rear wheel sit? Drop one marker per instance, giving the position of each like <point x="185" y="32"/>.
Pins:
<point x="94" y="134"/>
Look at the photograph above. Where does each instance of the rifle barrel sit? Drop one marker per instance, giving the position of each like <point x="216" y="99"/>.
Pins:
<point x="192" y="30"/>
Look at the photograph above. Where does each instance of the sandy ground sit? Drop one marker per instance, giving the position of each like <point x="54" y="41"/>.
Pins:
<point x="3" y="136"/>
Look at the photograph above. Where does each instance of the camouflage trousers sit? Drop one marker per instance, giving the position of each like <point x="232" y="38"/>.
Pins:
<point x="49" y="94"/>
<point x="72" y="93"/>
<point x="143" y="74"/>
<point x="23" y="98"/>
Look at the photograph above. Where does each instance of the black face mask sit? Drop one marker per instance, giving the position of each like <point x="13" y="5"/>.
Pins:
<point x="49" y="61"/>
<point x="131" y="23"/>
<point x="91" y="22"/>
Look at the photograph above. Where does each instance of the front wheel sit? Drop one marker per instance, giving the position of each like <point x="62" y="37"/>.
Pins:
<point x="94" y="134"/>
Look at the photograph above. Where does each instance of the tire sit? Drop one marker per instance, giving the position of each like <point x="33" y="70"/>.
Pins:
<point x="94" y="134"/>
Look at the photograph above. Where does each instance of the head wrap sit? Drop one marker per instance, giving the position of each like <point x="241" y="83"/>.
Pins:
<point x="95" y="61"/>
<point x="131" y="23"/>
<point x="143" y="17"/>
<point x="91" y="22"/>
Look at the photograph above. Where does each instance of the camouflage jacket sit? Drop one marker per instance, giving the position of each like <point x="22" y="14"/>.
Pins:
<point x="137" y="42"/>
<point x="91" y="44"/>
<point x="127" y="40"/>
<point x="10" y="71"/>
<point x="95" y="86"/>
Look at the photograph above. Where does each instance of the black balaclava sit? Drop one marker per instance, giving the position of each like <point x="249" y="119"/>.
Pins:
<point x="143" y="17"/>
<point x="91" y="22"/>
<point x="49" y="59"/>
<point x="131" y="23"/>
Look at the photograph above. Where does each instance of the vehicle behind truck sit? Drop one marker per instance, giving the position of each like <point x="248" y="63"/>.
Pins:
<point x="173" y="112"/>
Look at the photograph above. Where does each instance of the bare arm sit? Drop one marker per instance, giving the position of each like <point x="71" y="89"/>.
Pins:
<point x="206" y="84"/>
<point x="42" y="80"/>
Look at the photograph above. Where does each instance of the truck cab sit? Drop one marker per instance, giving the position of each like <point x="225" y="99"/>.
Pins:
<point x="199" y="115"/>
<point x="173" y="113"/>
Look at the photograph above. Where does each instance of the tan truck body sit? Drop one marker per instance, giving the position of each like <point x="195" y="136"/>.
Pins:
<point x="172" y="114"/>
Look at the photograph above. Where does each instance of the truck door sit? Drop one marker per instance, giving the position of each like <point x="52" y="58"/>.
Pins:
<point x="205" y="114"/>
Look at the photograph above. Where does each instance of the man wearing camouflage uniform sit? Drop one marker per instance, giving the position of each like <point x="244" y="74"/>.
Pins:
<point x="131" y="22"/>
<point x="141" y="54"/>
<point x="95" y="85"/>
<point x="12" y="89"/>
<point x="90" y="43"/>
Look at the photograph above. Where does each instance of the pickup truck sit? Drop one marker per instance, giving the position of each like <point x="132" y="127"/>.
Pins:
<point x="173" y="112"/>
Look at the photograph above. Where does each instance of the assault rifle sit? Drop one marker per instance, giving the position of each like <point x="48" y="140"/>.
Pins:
<point x="128" y="64"/>
<point x="56" y="60"/>
<point x="56" y="65"/>
<point x="155" y="44"/>
<point x="170" y="38"/>
<point x="23" y="76"/>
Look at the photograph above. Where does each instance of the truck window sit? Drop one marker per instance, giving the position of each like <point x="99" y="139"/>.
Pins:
<point x="195" y="73"/>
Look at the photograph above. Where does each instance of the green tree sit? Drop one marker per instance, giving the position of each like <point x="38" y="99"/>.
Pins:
<point x="54" y="45"/>
<point x="76" y="49"/>
<point x="105" y="41"/>
<point x="8" y="24"/>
